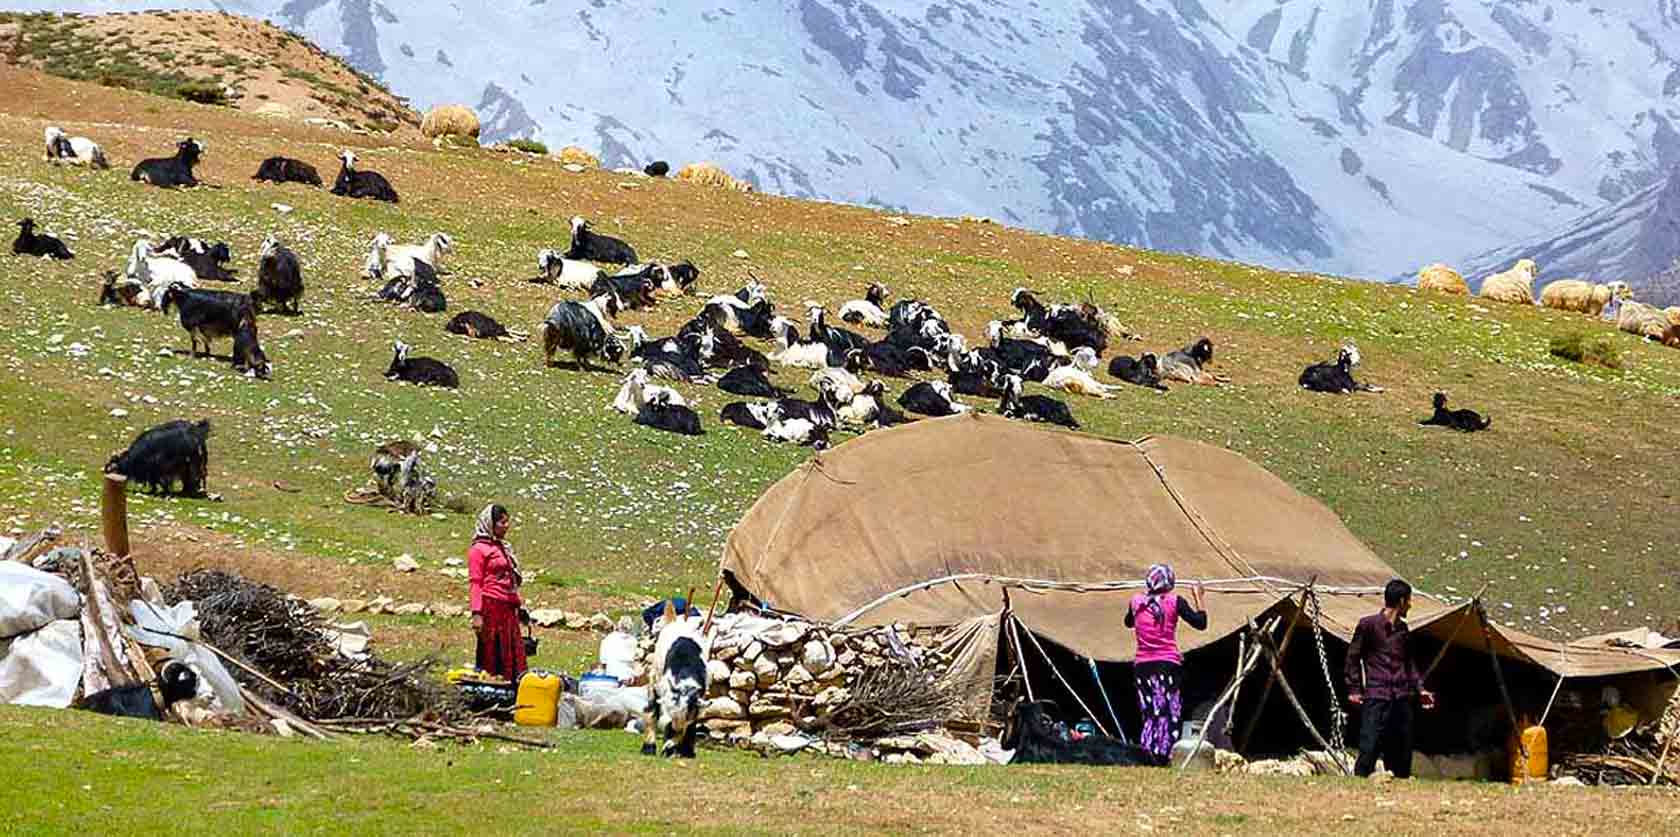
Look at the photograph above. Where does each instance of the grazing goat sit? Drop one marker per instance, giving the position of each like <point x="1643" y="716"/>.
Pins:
<point x="662" y="411"/>
<point x="750" y="381"/>
<point x="797" y="431"/>
<point x="867" y="311"/>
<point x="1336" y="377"/>
<point x="279" y="277"/>
<point x="1467" y="421"/>
<point x="401" y="479"/>
<point x="207" y="260"/>
<point x="583" y="328"/>
<point x="476" y="324"/>
<point x="751" y="415"/>
<point x="175" y="451"/>
<point x="793" y="351"/>
<point x="361" y="184"/>
<point x="931" y="398"/>
<point x="170" y="172"/>
<point x="79" y="151"/>
<point x="287" y="170"/>
<point x="588" y="245"/>
<point x="212" y="315"/>
<point x="1039" y="408"/>
<point x="1187" y="364"/>
<point x="554" y="269"/>
<point x="1144" y="370"/>
<point x="637" y="390"/>
<point x="28" y="243"/>
<point x="1037" y="738"/>
<point x="156" y="274"/>
<point x="423" y="371"/>
<point x="680" y="679"/>
<point x="657" y="168"/>
<point x="1515" y="286"/>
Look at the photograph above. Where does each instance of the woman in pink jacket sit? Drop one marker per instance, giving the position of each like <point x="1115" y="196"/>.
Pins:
<point x="1155" y="615"/>
<point x="493" y="580"/>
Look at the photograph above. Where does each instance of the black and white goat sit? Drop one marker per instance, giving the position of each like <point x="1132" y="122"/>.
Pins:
<point x="170" y="172"/>
<point x="79" y="151"/>
<point x="867" y="311"/>
<point x="589" y="245"/>
<point x="423" y="371"/>
<point x="175" y="451"/>
<point x="1337" y="376"/>
<point x="354" y="183"/>
<point x="1038" y="408"/>
<point x="1071" y="325"/>
<point x="30" y="243"/>
<point x="838" y="340"/>
<point x="680" y="679"/>
<point x="208" y="261"/>
<point x="287" y="170"/>
<point x="797" y="431"/>
<point x="793" y="350"/>
<point x="573" y="274"/>
<point x="400" y="477"/>
<point x="974" y="373"/>
<point x="749" y="381"/>
<point x="635" y="288"/>
<point x="931" y="398"/>
<point x="122" y="290"/>
<point x="156" y="274"/>
<point x="279" y="277"/>
<point x="663" y="411"/>
<point x="638" y="389"/>
<point x="1143" y="370"/>
<point x="1189" y="364"/>
<point x="888" y="359"/>
<point x="754" y="415"/>
<point x="583" y="328"/>
<point x="673" y="358"/>
<point x="720" y="349"/>
<point x="476" y="324"/>
<point x="823" y="412"/>
<point x="212" y="315"/>
<point x="677" y="278"/>
<point x="1464" y="421"/>
<point x="868" y="407"/>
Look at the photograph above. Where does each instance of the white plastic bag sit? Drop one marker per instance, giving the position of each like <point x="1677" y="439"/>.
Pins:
<point x="618" y="654"/>
<point x="44" y="667"/>
<point x="164" y="627"/>
<point x="31" y="599"/>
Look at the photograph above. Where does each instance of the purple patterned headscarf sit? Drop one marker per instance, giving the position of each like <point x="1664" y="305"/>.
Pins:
<point x="1158" y="581"/>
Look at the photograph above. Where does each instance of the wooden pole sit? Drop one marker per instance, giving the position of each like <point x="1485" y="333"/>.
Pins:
<point x="706" y="626"/>
<point x="1306" y="720"/>
<point x="113" y="509"/>
<point x="1440" y="655"/>
<point x="1243" y="667"/>
<point x="1271" y="678"/>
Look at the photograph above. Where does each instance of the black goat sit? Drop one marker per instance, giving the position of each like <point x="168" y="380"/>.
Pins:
<point x="673" y="358"/>
<point x="1466" y="421"/>
<point x="30" y="244"/>
<point x="352" y="183"/>
<point x="591" y="246"/>
<point x="1039" y="408"/>
<point x="424" y="293"/>
<point x="584" y="329"/>
<point x="287" y="170"/>
<point x="1144" y="370"/>
<point x="888" y="359"/>
<point x="975" y="374"/>
<point x="475" y="324"/>
<point x="657" y="168"/>
<point x="660" y="414"/>
<point x="1038" y="738"/>
<point x="212" y="315"/>
<point x="171" y="452"/>
<point x="751" y="381"/>
<point x="207" y="260"/>
<point x="1072" y="325"/>
<point x="1336" y="377"/>
<point x="170" y="172"/>
<point x="279" y="277"/>
<point x="931" y="398"/>
<point x="423" y="371"/>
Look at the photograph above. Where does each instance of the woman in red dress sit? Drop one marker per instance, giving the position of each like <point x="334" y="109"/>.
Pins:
<point x="493" y="576"/>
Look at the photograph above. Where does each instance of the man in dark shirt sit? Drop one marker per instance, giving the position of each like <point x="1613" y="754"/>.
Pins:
<point x="1381" y="680"/>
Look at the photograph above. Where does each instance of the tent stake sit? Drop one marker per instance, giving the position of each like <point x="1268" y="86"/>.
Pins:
<point x="1271" y="678"/>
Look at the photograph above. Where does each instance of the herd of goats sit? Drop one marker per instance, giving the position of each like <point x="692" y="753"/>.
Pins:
<point x="1058" y="346"/>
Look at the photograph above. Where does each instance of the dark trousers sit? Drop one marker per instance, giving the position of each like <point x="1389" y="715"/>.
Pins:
<point x="1385" y="730"/>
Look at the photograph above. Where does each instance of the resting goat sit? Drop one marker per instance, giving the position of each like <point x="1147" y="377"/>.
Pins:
<point x="662" y="411"/>
<point x="797" y="431"/>
<point x="637" y="390"/>
<point x="207" y="260"/>
<point x="423" y="371"/>
<point x="279" y="277"/>
<point x="634" y="288"/>
<point x="401" y="479"/>
<point x="1037" y="408"/>
<point x="751" y="415"/>
<point x="287" y="170"/>
<point x="28" y="243"/>
<point x="749" y="380"/>
<point x="361" y="184"/>
<point x="867" y="311"/>
<point x="680" y="679"/>
<point x="1336" y="377"/>
<point x="583" y="328"/>
<point x="793" y="351"/>
<point x="1144" y="370"/>
<point x="554" y="269"/>
<point x="1037" y="738"/>
<point x="212" y="315"/>
<point x="476" y="324"/>
<point x="931" y="398"/>
<point x="157" y="274"/>
<point x="589" y="245"/>
<point x="1189" y="364"/>
<point x="170" y="172"/>
<point x="1465" y="421"/>
<point x="171" y="452"/>
<point x="79" y="151"/>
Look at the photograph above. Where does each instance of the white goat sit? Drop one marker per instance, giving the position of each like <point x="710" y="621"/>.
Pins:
<point x="792" y="350"/>
<point x="637" y="391"/>
<point x="867" y="311"/>
<point x="846" y="385"/>
<point x="1079" y="382"/>
<point x="567" y="273"/>
<point x="387" y="260"/>
<point x="79" y="151"/>
<point x="156" y="273"/>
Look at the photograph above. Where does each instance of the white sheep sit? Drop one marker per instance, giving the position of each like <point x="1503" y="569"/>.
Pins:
<point x="156" y="273"/>
<point x="79" y="151"/>
<point x="637" y="391"/>
<point x="1515" y="286"/>
<point x="1582" y="296"/>
<point x="1442" y="279"/>
<point x="567" y="273"/>
<point x="1079" y="382"/>
<point x="1650" y="322"/>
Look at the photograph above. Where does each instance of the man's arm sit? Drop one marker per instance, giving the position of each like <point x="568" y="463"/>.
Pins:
<point x="1351" y="668"/>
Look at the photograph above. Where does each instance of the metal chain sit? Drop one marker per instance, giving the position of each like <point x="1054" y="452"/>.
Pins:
<point x="1338" y="718"/>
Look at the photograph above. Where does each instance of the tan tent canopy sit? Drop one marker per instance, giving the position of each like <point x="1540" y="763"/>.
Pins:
<point x="928" y="523"/>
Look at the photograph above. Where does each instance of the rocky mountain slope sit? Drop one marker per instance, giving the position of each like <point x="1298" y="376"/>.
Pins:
<point x="1362" y="138"/>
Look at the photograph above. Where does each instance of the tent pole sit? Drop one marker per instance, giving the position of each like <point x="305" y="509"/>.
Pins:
<point x="1288" y="692"/>
<point x="1015" y="643"/>
<point x="1499" y="675"/>
<point x="1243" y="669"/>
<point x="1066" y="685"/>
<point x="1271" y="678"/>
<point x="1119" y="731"/>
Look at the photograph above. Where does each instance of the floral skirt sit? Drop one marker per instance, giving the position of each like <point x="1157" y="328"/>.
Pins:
<point x="501" y="648"/>
<point x="1161" y="707"/>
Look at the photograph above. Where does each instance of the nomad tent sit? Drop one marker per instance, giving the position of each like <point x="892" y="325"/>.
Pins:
<point x="1009" y="529"/>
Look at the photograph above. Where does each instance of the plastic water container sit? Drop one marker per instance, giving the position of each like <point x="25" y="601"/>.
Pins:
<point x="539" y="699"/>
<point x="1536" y="767"/>
<point x="1200" y="758"/>
<point x="595" y="682"/>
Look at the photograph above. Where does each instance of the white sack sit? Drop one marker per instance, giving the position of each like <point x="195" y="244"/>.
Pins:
<point x="42" y="668"/>
<point x="31" y="599"/>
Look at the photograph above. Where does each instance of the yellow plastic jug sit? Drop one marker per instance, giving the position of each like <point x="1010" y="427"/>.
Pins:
<point x="538" y="699"/>
<point x="1532" y="739"/>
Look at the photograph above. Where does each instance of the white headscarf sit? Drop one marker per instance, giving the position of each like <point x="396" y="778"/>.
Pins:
<point x="486" y="531"/>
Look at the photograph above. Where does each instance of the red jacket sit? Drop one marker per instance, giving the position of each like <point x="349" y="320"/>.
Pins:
<point x="490" y="575"/>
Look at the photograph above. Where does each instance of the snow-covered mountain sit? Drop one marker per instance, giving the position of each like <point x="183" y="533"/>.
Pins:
<point x="1365" y="137"/>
